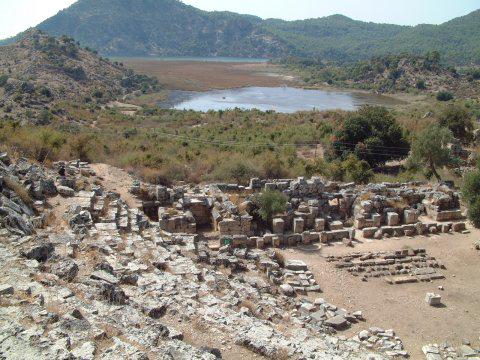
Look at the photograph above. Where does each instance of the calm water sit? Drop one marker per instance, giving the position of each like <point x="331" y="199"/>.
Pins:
<point x="280" y="99"/>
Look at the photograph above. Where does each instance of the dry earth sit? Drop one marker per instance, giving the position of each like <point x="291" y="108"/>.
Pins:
<point x="403" y="307"/>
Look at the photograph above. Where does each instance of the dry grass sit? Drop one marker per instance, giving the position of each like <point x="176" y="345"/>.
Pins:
<point x="201" y="76"/>
<point x="19" y="189"/>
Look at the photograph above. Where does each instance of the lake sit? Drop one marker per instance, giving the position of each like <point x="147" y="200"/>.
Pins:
<point x="280" y="99"/>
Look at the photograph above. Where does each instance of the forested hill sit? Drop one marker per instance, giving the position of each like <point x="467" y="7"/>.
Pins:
<point x="169" y="27"/>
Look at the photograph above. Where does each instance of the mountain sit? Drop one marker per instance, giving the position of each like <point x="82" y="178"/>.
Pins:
<point x="169" y="27"/>
<point x="39" y="70"/>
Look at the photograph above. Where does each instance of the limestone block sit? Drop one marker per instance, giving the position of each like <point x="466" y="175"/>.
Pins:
<point x="433" y="299"/>
<point x="336" y="225"/>
<point x="298" y="225"/>
<point x="376" y="220"/>
<point x="368" y="233"/>
<point x="459" y="227"/>
<point x="278" y="226"/>
<point x="410" y="216"/>
<point x="393" y="219"/>
<point x="319" y="225"/>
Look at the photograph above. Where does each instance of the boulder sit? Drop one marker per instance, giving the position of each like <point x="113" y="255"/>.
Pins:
<point x="65" y="191"/>
<point x="338" y="322"/>
<point x="41" y="252"/>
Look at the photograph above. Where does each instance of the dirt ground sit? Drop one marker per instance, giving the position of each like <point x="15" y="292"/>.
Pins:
<point x="403" y="307"/>
<point x="202" y="76"/>
<point x="117" y="180"/>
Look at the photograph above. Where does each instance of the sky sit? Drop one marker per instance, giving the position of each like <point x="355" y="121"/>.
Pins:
<point x="18" y="15"/>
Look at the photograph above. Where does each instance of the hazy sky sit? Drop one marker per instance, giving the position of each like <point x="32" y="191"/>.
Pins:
<point x="18" y="15"/>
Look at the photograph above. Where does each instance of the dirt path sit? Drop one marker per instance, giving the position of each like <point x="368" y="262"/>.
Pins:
<point x="402" y="307"/>
<point x="117" y="180"/>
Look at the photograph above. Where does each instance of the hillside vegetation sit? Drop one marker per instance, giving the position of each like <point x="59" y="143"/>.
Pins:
<point x="169" y="27"/>
<point x="391" y="73"/>
<point x="40" y="70"/>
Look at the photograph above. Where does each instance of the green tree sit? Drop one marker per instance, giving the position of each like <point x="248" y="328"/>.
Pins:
<point x="269" y="203"/>
<point x="457" y="119"/>
<point x="430" y="149"/>
<point x="372" y="134"/>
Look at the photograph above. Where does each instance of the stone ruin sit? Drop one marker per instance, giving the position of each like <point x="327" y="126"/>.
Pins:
<point x="317" y="211"/>
<point x="112" y="281"/>
<point x="396" y="267"/>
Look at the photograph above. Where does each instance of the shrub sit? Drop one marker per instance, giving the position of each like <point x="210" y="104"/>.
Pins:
<point x="471" y="195"/>
<point x="98" y="94"/>
<point x="3" y="80"/>
<point x="81" y="147"/>
<point x="444" y="96"/>
<point x="421" y="85"/>
<point x="273" y="168"/>
<point x="458" y="121"/>
<point x="237" y="170"/>
<point x="44" y="118"/>
<point x="357" y="170"/>
<point x="474" y="212"/>
<point x="471" y="186"/>
<point x="270" y="202"/>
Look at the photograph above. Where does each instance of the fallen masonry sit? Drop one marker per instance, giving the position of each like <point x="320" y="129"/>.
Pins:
<point x="397" y="267"/>
<point x="85" y="276"/>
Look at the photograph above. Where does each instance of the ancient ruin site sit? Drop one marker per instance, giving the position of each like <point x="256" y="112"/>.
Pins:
<point x="239" y="180"/>
<point x="97" y="264"/>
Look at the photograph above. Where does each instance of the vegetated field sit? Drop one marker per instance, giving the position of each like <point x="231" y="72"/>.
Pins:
<point x="202" y="76"/>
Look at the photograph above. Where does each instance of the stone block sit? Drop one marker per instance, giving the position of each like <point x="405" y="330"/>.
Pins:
<point x="309" y="237"/>
<point x="369" y="233"/>
<point x="260" y="243"/>
<point x="296" y="265"/>
<point x="393" y="219"/>
<point x="459" y="227"/>
<point x="410" y="216"/>
<point x="298" y="225"/>
<point x="278" y="226"/>
<point x="335" y="225"/>
<point x="319" y="225"/>
<point x="433" y="299"/>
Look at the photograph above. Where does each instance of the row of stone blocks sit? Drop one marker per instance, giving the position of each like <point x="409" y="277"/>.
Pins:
<point x="278" y="225"/>
<point x="280" y="240"/>
<point x="411" y="230"/>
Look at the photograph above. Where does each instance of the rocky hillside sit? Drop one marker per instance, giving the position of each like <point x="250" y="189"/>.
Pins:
<point x="169" y="27"/>
<point x="38" y="71"/>
<point x="86" y="276"/>
<point x="393" y="73"/>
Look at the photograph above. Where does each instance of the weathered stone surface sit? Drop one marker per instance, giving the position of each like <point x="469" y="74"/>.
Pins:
<point x="65" y="191"/>
<point x="337" y="322"/>
<point x="40" y="252"/>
